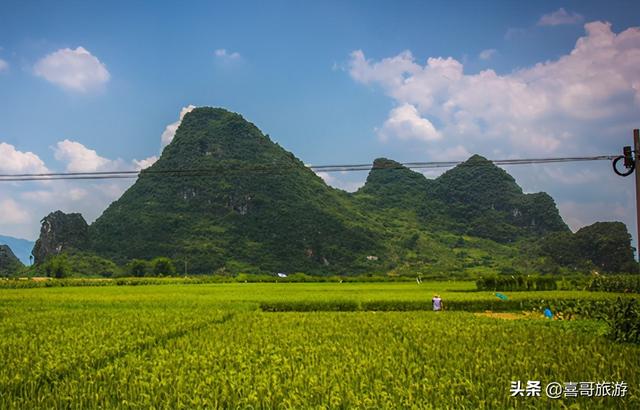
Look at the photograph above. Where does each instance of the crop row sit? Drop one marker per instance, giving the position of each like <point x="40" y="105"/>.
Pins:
<point x="562" y="308"/>
<point x="517" y="282"/>
<point x="616" y="283"/>
<point x="28" y="283"/>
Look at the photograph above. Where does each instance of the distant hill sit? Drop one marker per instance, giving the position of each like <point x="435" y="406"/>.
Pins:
<point x="20" y="247"/>
<point x="475" y="198"/>
<point x="490" y="204"/>
<point x="223" y="197"/>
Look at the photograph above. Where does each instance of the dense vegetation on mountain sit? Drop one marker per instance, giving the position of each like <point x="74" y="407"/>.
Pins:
<point x="247" y="203"/>
<point x="475" y="198"/>
<point x="9" y="263"/>
<point x="491" y="205"/>
<point x="225" y="198"/>
<point x="603" y="246"/>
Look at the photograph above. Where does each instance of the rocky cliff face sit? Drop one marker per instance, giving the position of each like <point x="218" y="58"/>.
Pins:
<point x="9" y="263"/>
<point x="60" y="232"/>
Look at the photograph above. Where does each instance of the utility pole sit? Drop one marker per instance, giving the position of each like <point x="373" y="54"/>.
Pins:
<point x="636" y="152"/>
<point x="631" y="160"/>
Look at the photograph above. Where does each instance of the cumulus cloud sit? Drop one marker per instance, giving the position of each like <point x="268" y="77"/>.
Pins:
<point x="4" y="66"/>
<point x="74" y="70"/>
<point x="79" y="158"/>
<point x="349" y="183"/>
<point x="560" y="17"/>
<point x="12" y="213"/>
<point x="534" y="110"/>
<point x="405" y="123"/>
<point x="222" y="54"/>
<point x="18" y="162"/>
<point x="456" y="153"/>
<point x="144" y="163"/>
<point x="170" y="130"/>
<point x="487" y="54"/>
<point x="23" y="204"/>
<point x="90" y="198"/>
<point x="326" y="177"/>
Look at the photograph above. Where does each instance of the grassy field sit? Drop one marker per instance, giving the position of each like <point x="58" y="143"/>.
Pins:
<point x="196" y="346"/>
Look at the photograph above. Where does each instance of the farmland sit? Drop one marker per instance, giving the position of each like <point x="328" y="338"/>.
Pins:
<point x="219" y="345"/>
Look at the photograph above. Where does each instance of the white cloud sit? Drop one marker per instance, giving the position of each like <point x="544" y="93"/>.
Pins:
<point x="349" y="186"/>
<point x="74" y="70"/>
<point x="223" y="55"/>
<point x="405" y="123"/>
<point x="23" y="204"/>
<point x="80" y="158"/>
<point x="4" y="66"/>
<point x="541" y="109"/>
<point x="12" y="213"/>
<point x="326" y="177"/>
<point x="336" y="181"/>
<point x="144" y="163"/>
<point x="487" y="54"/>
<point x="560" y="17"/>
<point x="18" y="162"/>
<point x="77" y="194"/>
<point x="170" y="130"/>
<point x="457" y="153"/>
<point x="90" y="198"/>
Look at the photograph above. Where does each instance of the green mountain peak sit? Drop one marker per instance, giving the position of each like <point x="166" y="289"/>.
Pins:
<point x="392" y="185"/>
<point x="244" y="202"/>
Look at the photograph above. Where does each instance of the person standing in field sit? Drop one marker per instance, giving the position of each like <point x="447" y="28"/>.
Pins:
<point x="437" y="303"/>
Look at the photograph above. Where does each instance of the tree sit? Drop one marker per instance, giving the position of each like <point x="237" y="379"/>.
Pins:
<point x="57" y="267"/>
<point x="138" y="267"/>
<point x="608" y="246"/>
<point x="163" y="267"/>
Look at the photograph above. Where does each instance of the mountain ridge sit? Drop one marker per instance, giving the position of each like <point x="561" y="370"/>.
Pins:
<point x="223" y="197"/>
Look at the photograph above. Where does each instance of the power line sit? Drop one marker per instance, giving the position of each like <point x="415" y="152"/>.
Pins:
<point x="274" y="168"/>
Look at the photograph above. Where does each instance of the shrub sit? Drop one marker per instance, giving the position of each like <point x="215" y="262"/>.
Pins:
<point x="57" y="267"/>
<point x="163" y="267"/>
<point x="138" y="267"/>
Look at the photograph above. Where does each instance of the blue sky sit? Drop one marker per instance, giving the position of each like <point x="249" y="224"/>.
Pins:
<point x="93" y="85"/>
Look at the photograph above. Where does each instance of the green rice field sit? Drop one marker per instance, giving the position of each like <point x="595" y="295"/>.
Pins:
<point x="303" y="345"/>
